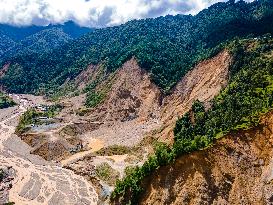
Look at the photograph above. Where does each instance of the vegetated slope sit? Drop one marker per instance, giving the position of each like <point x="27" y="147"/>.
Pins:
<point x="5" y="101"/>
<point x="29" y="39"/>
<point x="5" y="43"/>
<point x="239" y="106"/>
<point x="236" y="170"/>
<point x="167" y="47"/>
<point x="127" y="106"/>
<point x="39" y="42"/>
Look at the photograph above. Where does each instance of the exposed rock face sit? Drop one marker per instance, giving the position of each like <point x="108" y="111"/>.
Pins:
<point x="134" y="106"/>
<point x="132" y="95"/>
<point x="237" y="170"/>
<point x="130" y="109"/>
<point x="203" y="83"/>
<point x="90" y="74"/>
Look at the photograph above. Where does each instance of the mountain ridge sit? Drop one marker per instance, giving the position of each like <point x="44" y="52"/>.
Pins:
<point x="167" y="47"/>
<point x="27" y="39"/>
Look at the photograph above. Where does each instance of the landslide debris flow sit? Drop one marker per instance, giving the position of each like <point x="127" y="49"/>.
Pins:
<point x="35" y="180"/>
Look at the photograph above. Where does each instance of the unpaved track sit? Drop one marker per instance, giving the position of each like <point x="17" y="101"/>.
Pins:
<point x="37" y="181"/>
<point x="95" y="145"/>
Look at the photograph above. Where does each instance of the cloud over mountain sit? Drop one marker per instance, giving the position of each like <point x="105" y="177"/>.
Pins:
<point x="94" y="13"/>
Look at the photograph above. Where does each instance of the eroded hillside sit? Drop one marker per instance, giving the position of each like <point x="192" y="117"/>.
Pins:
<point x="134" y="106"/>
<point x="203" y="83"/>
<point x="131" y="109"/>
<point x="235" y="142"/>
<point x="135" y="114"/>
<point x="236" y="170"/>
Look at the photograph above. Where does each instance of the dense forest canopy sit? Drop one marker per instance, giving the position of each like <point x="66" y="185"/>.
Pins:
<point x="18" y="40"/>
<point x="166" y="46"/>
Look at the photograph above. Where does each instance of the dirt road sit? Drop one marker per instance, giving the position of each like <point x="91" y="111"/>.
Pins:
<point x="37" y="181"/>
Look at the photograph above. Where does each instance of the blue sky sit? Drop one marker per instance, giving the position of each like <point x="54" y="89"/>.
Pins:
<point x="93" y="13"/>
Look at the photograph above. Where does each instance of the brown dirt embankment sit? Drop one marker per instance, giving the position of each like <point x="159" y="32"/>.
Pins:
<point x="202" y="83"/>
<point x="236" y="170"/>
<point x="134" y="106"/>
<point x="130" y="108"/>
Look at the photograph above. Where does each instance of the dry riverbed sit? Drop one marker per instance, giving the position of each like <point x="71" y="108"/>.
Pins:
<point x="34" y="180"/>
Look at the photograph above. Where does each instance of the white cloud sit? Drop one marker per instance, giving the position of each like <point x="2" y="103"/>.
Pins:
<point x="93" y="12"/>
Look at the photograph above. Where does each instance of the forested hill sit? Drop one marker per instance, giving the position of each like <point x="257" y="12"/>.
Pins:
<point x="17" y="33"/>
<point x="37" y="38"/>
<point x="166" y="46"/>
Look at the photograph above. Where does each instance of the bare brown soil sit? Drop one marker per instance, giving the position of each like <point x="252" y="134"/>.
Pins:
<point x="50" y="147"/>
<point x="130" y="109"/>
<point x="92" y="73"/>
<point x="134" y="107"/>
<point x="203" y="83"/>
<point x="236" y="170"/>
<point x="51" y="151"/>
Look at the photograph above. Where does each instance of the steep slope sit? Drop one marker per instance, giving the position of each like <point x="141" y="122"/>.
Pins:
<point x="203" y="83"/>
<point x="129" y="108"/>
<point x="247" y="96"/>
<point x="133" y="107"/>
<point x="131" y="94"/>
<point x="167" y="47"/>
<point x="5" y="43"/>
<point x="236" y="170"/>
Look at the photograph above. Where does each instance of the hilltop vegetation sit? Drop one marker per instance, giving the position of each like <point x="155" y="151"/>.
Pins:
<point x="6" y="101"/>
<point x="239" y="106"/>
<point x="33" y="39"/>
<point x="166" y="46"/>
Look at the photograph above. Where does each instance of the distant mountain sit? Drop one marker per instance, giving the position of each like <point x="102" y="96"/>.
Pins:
<point x="20" y="33"/>
<point x="39" y="42"/>
<point x="71" y="29"/>
<point x="14" y="40"/>
<point x="167" y="47"/>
